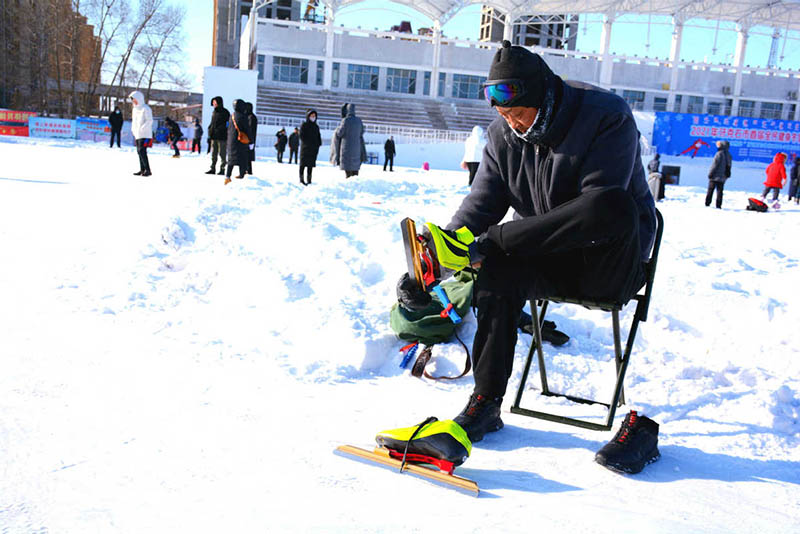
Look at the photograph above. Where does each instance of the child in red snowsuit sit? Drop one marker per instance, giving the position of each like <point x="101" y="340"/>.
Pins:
<point x="776" y="177"/>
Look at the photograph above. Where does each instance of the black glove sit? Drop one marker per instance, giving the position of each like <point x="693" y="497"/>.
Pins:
<point x="410" y="296"/>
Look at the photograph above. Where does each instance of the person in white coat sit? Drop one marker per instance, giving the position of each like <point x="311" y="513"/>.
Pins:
<point x="142" y="129"/>
<point x="473" y="149"/>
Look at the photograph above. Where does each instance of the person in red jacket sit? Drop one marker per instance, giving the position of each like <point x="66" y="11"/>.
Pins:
<point x="776" y="177"/>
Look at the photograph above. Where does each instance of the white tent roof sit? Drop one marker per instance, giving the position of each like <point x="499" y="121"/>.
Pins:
<point x="784" y="14"/>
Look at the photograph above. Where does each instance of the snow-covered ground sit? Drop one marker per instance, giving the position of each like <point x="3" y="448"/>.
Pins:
<point x="179" y="356"/>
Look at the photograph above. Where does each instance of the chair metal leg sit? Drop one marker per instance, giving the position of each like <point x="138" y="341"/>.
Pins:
<point x="617" y="348"/>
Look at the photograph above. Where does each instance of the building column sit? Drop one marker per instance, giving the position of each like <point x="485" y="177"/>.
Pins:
<point x="327" y="77"/>
<point x="674" y="60"/>
<point x="606" y="62"/>
<point x="738" y="60"/>
<point x="437" y="50"/>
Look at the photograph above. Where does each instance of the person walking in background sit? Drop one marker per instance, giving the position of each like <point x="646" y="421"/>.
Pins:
<point x="348" y="142"/>
<point x="794" y="181"/>
<point x="719" y="172"/>
<point x="198" y="135"/>
<point x="310" y="141"/>
<point x="175" y="135"/>
<point x="473" y="150"/>
<point x="388" y="153"/>
<point x="654" y="164"/>
<point x="280" y="143"/>
<point x="218" y="135"/>
<point x="115" y="122"/>
<point x="294" y="144"/>
<point x="142" y="130"/>
<point x="776" y="178"/>
<point x="253" y="121"/>
<point x="239" y="139"/>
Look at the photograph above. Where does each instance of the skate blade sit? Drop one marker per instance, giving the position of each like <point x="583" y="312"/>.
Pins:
<point x="381" y="458"/>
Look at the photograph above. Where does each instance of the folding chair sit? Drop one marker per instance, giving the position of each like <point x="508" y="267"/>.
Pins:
<point x="621" y="359"/>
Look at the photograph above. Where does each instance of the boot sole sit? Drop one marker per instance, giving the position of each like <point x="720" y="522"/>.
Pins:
<point x="630" y="469"/>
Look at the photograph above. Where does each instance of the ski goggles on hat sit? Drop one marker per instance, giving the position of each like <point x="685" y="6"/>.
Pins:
<point x="503" y="92"/>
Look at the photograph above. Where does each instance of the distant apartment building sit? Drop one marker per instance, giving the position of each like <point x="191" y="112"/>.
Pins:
<point x="229" y="17"/>
<point x="547" y="31"/>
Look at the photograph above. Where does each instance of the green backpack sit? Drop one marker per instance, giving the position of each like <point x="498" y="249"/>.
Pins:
<point x="428" y="327"/>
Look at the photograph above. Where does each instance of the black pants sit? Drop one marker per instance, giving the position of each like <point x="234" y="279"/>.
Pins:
<point x="280" y="156"/>
<point x="587" y="247"/>
<point x="348" y="174"/>
<point x="173" y="143"/>
<point x="388" y="158"/>
<point x="252" y="154"/>
<point x="308" y="179"/>
<point x="141" y="149"/>
<point x="196" y="144"/>
<point x="117" y="134"/>
<point x="775" y="192"/>
<point x="292" y="154"/>
<point x="242" y="170"/>
<point x="712" y="185"/>
<point x="472" y="166"/>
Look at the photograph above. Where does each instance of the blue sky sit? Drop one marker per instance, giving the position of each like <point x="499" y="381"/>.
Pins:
<point x="626" y="37"/>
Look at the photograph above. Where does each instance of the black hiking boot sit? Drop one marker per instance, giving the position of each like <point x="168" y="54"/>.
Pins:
<point x="211" y="171"/>
<point x="634" y="446"/>
<point x="479" y="416"/>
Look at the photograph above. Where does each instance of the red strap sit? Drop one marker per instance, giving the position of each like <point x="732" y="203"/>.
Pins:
<point x="443" y="465"/>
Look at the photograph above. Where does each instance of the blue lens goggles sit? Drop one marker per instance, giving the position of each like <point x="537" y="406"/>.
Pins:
<point x="503" y="92"/>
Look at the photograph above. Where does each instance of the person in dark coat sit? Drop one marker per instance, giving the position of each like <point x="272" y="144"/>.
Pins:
<point x="294" y="144"/>
<point x="794" y="181"/>
<point x="654" y="164"/>
<point x="115" y="121"/>
<point x="238" y="152"/>
<point x="310" y="141"/>
<point x="254" y="129"/>
<point x="566" y="157"/>
<point x="175" y="135"/>
<point x="347" y="144"/>
<point x="719" y="172"/>
<point x="198" y="135"/>
<point x="280" y="143"/>
<point x="218" y="135"/>
<point x="388" y="153"/>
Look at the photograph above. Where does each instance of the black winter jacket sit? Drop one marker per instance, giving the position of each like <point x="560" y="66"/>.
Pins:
<point x="720" y="166"/>
<point x="592" y="143"/>
<point x="388" y="148"/>
<point x="310" y="141"/>
<point x="115" y="120"/>
<point x="238" y="153"/>
<point x="218" y="129"/>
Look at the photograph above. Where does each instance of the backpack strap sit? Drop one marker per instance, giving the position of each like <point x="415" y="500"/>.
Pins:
<point x="418" y="370"/>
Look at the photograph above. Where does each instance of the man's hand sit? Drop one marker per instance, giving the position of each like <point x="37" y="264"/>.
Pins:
<point x="410" y="295"/>
<point x="464" y="165"/>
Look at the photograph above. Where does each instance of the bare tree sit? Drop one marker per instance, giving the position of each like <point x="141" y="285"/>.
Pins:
<point x="108" y="18"/>
<point x="164" y="48"/>
<point x="135" y="28"/>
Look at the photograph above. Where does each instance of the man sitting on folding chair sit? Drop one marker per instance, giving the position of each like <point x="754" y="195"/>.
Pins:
<point x="566" y="157"/>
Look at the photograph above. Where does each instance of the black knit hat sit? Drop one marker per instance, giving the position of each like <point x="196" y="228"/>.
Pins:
<point x="519" y="63"/>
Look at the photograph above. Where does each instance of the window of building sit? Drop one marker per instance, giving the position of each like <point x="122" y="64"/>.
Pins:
<point x="678" y="103"/>
<point x="261" y="61"/>
<point x="728" y="106"/>
<point x="320" y="72"/>
<point x="442" y="83"/>
<point x="362" y="77"/>
<point x="401" y="81"/>
<point x="426" y="86"/>
<point x="289" y="69"/>
<point x="465" y="86"/>
<point x="635" y="99"/>
<point x="695" y="104"/>
<point x="335" y="75"/>
<point x="771" y="110"/>
<point x="714" y="108"/>
<point x="792" y="111"/>
<point x="659" y="103"/>
<point x="746" y="108"/>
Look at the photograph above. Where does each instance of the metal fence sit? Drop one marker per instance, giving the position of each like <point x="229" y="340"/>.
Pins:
<point x="402" y="134"/>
